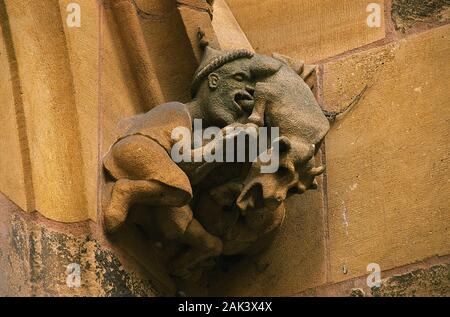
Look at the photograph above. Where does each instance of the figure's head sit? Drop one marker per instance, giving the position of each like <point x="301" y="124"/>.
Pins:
<point x="224" y="84"/>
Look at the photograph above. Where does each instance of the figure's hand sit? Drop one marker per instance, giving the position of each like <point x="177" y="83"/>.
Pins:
<point x="218" y="146"/>
<point x="235" y="129"/>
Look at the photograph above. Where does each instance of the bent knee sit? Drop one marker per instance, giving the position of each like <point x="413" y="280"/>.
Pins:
<point x="139" y="158"/>
<point x="173" y="221"/>
<point x="131" y="156"/>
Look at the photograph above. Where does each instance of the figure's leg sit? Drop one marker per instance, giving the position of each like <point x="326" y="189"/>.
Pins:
<point x="203" y="246"/>
<point x="178" y="223"/>
<point x="126" y="192"/>
<point x="145" y="173"/>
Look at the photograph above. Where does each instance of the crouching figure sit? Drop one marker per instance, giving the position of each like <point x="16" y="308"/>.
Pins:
<point x="211" y="206"/>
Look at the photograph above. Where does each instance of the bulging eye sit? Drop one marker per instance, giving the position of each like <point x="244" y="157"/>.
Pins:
<point x="239" y="77"/>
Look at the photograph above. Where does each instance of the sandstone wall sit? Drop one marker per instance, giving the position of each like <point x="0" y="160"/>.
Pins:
<point x="384" y="198"/>
<point x="62" y="92"/>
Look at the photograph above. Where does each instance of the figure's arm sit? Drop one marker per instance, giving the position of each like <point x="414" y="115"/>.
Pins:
<point x="197" y="171"/>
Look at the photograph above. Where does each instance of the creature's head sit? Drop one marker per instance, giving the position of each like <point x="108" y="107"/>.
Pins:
<point x="224" y="84"/>
<point x="284" y="100"/>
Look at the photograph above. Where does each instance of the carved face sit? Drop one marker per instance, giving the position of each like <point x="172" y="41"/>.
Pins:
<point x="230" y="93"/>
<point x="229" y="96"/>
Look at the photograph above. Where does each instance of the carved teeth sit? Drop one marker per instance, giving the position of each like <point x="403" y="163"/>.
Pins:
<point x="244" y="100"/>
<point x="243" y="95"/>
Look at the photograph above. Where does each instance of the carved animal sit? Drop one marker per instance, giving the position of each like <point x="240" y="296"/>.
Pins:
<point x="246" y="211"/>
<point x="284" y="100"/>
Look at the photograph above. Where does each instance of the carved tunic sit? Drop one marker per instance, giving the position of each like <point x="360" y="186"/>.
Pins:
<point x="156" y="125"/>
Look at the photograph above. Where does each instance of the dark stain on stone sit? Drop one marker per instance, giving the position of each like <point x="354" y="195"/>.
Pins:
<point x="406" y="13"/>
<point x="434" y="281"/>
<point x="18" y="242"/>
<point x="41" y="256"/>
<point x="34" y="258"/>
<point x="357" y="292"/>
<point x="111" y="275"/>
<point x="115" y="281"/>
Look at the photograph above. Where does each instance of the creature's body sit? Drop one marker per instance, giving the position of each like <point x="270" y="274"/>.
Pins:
<point x="285" y="101"/>
<point x="264" y="194"/>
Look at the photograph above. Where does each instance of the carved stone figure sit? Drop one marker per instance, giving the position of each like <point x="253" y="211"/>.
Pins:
<point x="219" y="207"/>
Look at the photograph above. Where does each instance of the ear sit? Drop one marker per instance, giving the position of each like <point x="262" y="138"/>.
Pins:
<point x="297" y="66"/>
<point x="305" y="71"/>
<point x="213" y="80"/>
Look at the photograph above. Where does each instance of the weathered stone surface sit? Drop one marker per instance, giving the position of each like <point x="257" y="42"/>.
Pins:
<point x="434" y="281"/>
<point x="229" y="33"/>
<point x="345" y="80"/>
<point x="388" y="158"/>
<point x="34" y="262"/>
<point x="196" y="16"/>
<point x="126" y="16"/>
<point x="425" y="278"/>
<point x="357" y="292"/>
<point x="409" y="13"/>
<point x="306" y="29"/>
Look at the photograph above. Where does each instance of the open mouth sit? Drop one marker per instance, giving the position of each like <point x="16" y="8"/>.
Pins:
<point x="244" y="100"/>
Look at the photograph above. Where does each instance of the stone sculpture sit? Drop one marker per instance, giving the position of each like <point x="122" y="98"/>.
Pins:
<point x="219" y="207"/>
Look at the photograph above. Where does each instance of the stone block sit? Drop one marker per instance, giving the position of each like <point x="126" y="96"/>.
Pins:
<point x="407" y="14"/>
<point x="388" y="157"/>
<point x="306" y="29"/>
